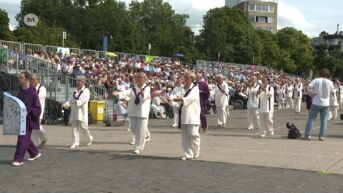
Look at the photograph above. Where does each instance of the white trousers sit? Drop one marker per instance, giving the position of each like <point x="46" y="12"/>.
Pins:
<point x="266" y="123"/>
<point x="80" y="127"/>
<point x="139" y="127"/>
<point x="289" y="103"/>
<point x="190" y="139"/>
<point x="297" y="105"/>
<point x="222" y="114"/>
<point x="253" y="117"/>
<point x="38" y="136"/>
<point x="176" y="115"/>
<point x="281" y="103"/>
<point x="333" y="113"/>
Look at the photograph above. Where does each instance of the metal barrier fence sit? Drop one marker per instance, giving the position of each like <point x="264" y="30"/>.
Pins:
<point x="30" y="49"/>
<point x="51" y="49"/>
<point x="213" y="67"/>
<point x="89" y="52"/>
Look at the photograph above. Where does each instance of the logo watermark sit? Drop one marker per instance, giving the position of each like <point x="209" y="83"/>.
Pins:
<point x="31" y="19"/>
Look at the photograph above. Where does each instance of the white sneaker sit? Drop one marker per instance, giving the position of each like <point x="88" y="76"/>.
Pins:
<point x="263" y="135"/>
<point x="34" y="158"/>
<point x="90" y="142"/>
<point x="250" y="128"/>
<point x="137" y="151"/>
<point x="175" y="125"/>
<point x="272" y="133"/>
<point x="73" y="146"/>
<point x="132" y="142"/>
<point x="147" y="139"/>
<point x="15" y="163"/>
<point x="185" y="158"/>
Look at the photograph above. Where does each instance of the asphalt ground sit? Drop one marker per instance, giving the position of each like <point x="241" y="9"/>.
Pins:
<point x="61" y="171"/>
<point x="233" y="159"/>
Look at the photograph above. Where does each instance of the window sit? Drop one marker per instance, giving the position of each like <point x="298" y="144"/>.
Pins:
<point x="270" y="20"/>
<point x="262" y="19"/>
<point x="262" y="8"/>
<point x="252" y="18"/>
<point x="251" y="7"/>
<point x="271" y="8"/>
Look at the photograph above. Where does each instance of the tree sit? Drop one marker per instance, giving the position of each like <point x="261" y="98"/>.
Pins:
<point x="5" y="32"/>
<point x="160" y="26"/>
<point x="229" y="32"/>
<point x="296" y="51"/>
<point x="42" y="34"/>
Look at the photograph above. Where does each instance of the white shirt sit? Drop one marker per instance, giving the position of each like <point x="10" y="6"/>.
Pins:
<point x="176" y="92"/>
<point x="190" y="111"/>
<point x="298" y="90"/>
<point x="143" y="108"/>
<point x="41" y="91"/>
<point x="339" y="93"/>
<point x="252" y="98"/>
<point x="322" y="88"/>
<point x="222" y="99"/>
<point x="79" y="107"/>
<point x="289" y="91"/>
<point x="267" y="100"/>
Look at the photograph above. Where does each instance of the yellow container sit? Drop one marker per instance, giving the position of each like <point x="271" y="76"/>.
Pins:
<point x="97" y="110"/>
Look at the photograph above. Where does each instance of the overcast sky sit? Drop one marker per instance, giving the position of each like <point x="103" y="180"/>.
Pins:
<point x="309" y="16"/>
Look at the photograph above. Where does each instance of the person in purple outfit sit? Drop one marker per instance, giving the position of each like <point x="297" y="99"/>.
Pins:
<point x="204" y="94"/>
<point x="30" y="98"/>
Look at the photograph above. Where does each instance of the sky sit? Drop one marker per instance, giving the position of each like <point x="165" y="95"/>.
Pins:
<point x="309" y="16"/>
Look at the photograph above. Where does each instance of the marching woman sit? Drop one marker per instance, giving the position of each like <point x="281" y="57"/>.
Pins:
<point x="222" y="100"/>
<point x="139" y="108"/>
<point x="266" y="108"/>
<point x="189" y="119"/>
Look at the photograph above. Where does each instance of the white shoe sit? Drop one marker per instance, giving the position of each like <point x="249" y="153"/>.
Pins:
<point x="15" y="163"/>
<point x="132" y="142"/>
<point x="137" y="151"/>
<point x="185" y="158"/>
<point x="34" y="158"/>
<point x="263" y="135"/>
<point x="175" y="125"/>
<point x="250" y="128"/>
<point x="272" y="133"/>
<point x="147" y="139"/>
<point x="90" y="142"/>
<point x="73" y="146"/>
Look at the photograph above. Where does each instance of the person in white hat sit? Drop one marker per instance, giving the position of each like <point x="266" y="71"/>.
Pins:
<point x="79" y="112"/>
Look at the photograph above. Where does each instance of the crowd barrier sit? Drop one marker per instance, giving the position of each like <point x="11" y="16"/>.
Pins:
<point x="213" y="67"/>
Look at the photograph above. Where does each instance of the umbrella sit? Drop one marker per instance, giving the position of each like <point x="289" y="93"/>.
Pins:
<point x="178" y="54"/>
<point x="111" y="54"/>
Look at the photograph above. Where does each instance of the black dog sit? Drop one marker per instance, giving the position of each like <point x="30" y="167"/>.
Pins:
<point x="293" y="131"/>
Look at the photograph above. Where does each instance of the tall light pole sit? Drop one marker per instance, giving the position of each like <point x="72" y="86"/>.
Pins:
<point x="64" y="37"/>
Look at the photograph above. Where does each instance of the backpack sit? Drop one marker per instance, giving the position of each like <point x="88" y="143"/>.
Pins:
<point x="293" y="131"/>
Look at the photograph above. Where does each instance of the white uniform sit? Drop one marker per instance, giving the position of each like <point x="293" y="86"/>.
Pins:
<point x="39" y="136"/>
<point x="139" y="115"/>
<point x="297" y="95"/>
<point x="340" y="97"/>
<point x="289" y="95"/>
<point x="190" y="122"/>
<point x="252" y="106"/>
<point x="333" y="113"/>
<point x="79" y="114"/>
<point x="266" y="110"/>
<point x="222" y="102"/>
<point x="177" y="91"/>
<point x="281" y="97"/>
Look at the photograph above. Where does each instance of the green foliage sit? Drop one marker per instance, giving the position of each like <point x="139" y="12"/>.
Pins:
<point x="5" y="32"/>
<point x="296" y="50"/>
<point x="42" y="34"/>
<point x="229" y="32"/>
